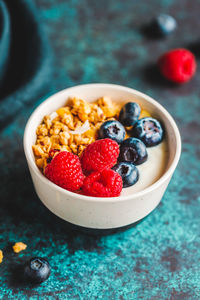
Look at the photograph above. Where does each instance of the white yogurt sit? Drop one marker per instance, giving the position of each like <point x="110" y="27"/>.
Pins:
<point x="151" y="170"/>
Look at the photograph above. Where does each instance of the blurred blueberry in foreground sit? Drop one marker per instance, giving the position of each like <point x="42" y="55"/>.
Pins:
<point x="164" y="24"/>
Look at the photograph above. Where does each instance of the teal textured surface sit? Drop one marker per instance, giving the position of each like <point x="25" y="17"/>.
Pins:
<point x="102" y="41"/>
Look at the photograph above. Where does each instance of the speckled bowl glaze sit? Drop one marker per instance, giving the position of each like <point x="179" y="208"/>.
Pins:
<point x="101" y="213"/>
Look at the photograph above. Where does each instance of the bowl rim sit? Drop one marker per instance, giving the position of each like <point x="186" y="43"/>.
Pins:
<point x="57" y="188"/>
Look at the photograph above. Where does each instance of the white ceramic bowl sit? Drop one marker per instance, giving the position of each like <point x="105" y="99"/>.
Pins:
<point x="91" y="212"/>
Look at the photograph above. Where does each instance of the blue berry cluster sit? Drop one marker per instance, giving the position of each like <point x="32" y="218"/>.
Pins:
<point x="145" y="132"/>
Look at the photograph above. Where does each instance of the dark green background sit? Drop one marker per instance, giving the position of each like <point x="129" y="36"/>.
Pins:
<point x="102" y="41"/>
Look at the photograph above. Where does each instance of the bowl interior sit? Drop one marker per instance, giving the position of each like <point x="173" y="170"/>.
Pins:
<point x="117" y="93"/>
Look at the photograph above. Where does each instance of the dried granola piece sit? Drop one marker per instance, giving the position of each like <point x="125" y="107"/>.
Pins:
<point x="45" y="143"/>
<point x="37" y="150"/>
<point x="74" y="148"/>
<point x="68" y="120"/>
<point x="71" y="139"/>
<point x="80" y="149"/>
<point x="96" y="114"/>
<point x="80" y="108"/>
<point x="55" y="140"/>
<point x="1" y="256"/>
<point x="42" y="130"/>
<point x="40" y="162"/>
<point x="109" y="108"/>
<point x="64" y="137"/>
<point x="47" y="122"/>
<point x="63" y="110"/>
<point x="18" y="247"/>
<point x="57" y="126"/>
<point x="77" y="123"/>
<point x="65" y="148"/>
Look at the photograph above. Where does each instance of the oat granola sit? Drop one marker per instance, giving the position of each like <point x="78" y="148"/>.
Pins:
<point x="62" y="129"/>
<point x="1" y="256"/>
<point x="73" y="127"/>
<point x="18" y="247"/>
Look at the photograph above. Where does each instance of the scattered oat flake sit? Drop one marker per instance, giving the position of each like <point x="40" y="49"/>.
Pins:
<point x="1" y="256"/>
<point x="19" y="247"/>
<point x="85" y="127"/>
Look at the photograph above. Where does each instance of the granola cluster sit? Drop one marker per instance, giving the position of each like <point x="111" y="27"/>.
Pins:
<point x="72" y="128"/>
<point x="18" y="247"/>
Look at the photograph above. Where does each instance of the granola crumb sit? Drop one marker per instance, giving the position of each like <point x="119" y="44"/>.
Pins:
<point x="1" y="256"/>
<point x="18" y="247"/>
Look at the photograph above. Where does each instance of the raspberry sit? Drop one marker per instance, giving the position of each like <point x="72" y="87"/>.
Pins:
<point x="100" y="155"/>
<point x="178" y="65"/>
<point x="65" y="171"/>
<point x="106" y="183"/>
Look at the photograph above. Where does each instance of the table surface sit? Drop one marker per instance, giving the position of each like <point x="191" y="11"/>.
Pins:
<point x="103" y="41"/>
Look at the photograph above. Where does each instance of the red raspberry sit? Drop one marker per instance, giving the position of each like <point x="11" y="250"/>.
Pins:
<point x="178" y="65"/>
<point x="65" y="171"/>
<point x="106" y="183"/>
<point x="100" y="155"/>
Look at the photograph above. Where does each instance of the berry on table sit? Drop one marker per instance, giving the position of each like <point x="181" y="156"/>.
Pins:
<point x="178" y="65"/>
<point x="100" y="155"/>
<point x="129" y="173"/>
<point x="37" y="270"/>
<point x="112" y="129"/>
<point x="133" y="150"/>
<point x="164" y="24"/>
<point x="149" y="131"/>
<point x="65" y="171"/>
<point x="106" y="183"/>
<point x="129" y="114"/>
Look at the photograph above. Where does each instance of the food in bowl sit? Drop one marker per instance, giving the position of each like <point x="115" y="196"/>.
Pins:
<point x="135" y="202"/>
<point x="104" y="135"/>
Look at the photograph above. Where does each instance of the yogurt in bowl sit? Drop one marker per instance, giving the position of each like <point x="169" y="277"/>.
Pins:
<point x="152" y="170"/>
<point x="136" y="201"/>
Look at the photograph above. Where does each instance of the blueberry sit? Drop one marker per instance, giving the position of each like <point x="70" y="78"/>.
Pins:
<point x="128" y="171"/>
<point x="133" y="150"/>
<point x="113" y="130"/>
<point x="37" y="270"/>
<point x="129" y="114"/>
<point x="164" y="24"/>
<point x="149" y="131"/>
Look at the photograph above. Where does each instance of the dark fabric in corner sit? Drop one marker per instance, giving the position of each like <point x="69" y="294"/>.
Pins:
<point x="25" y="57"/>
